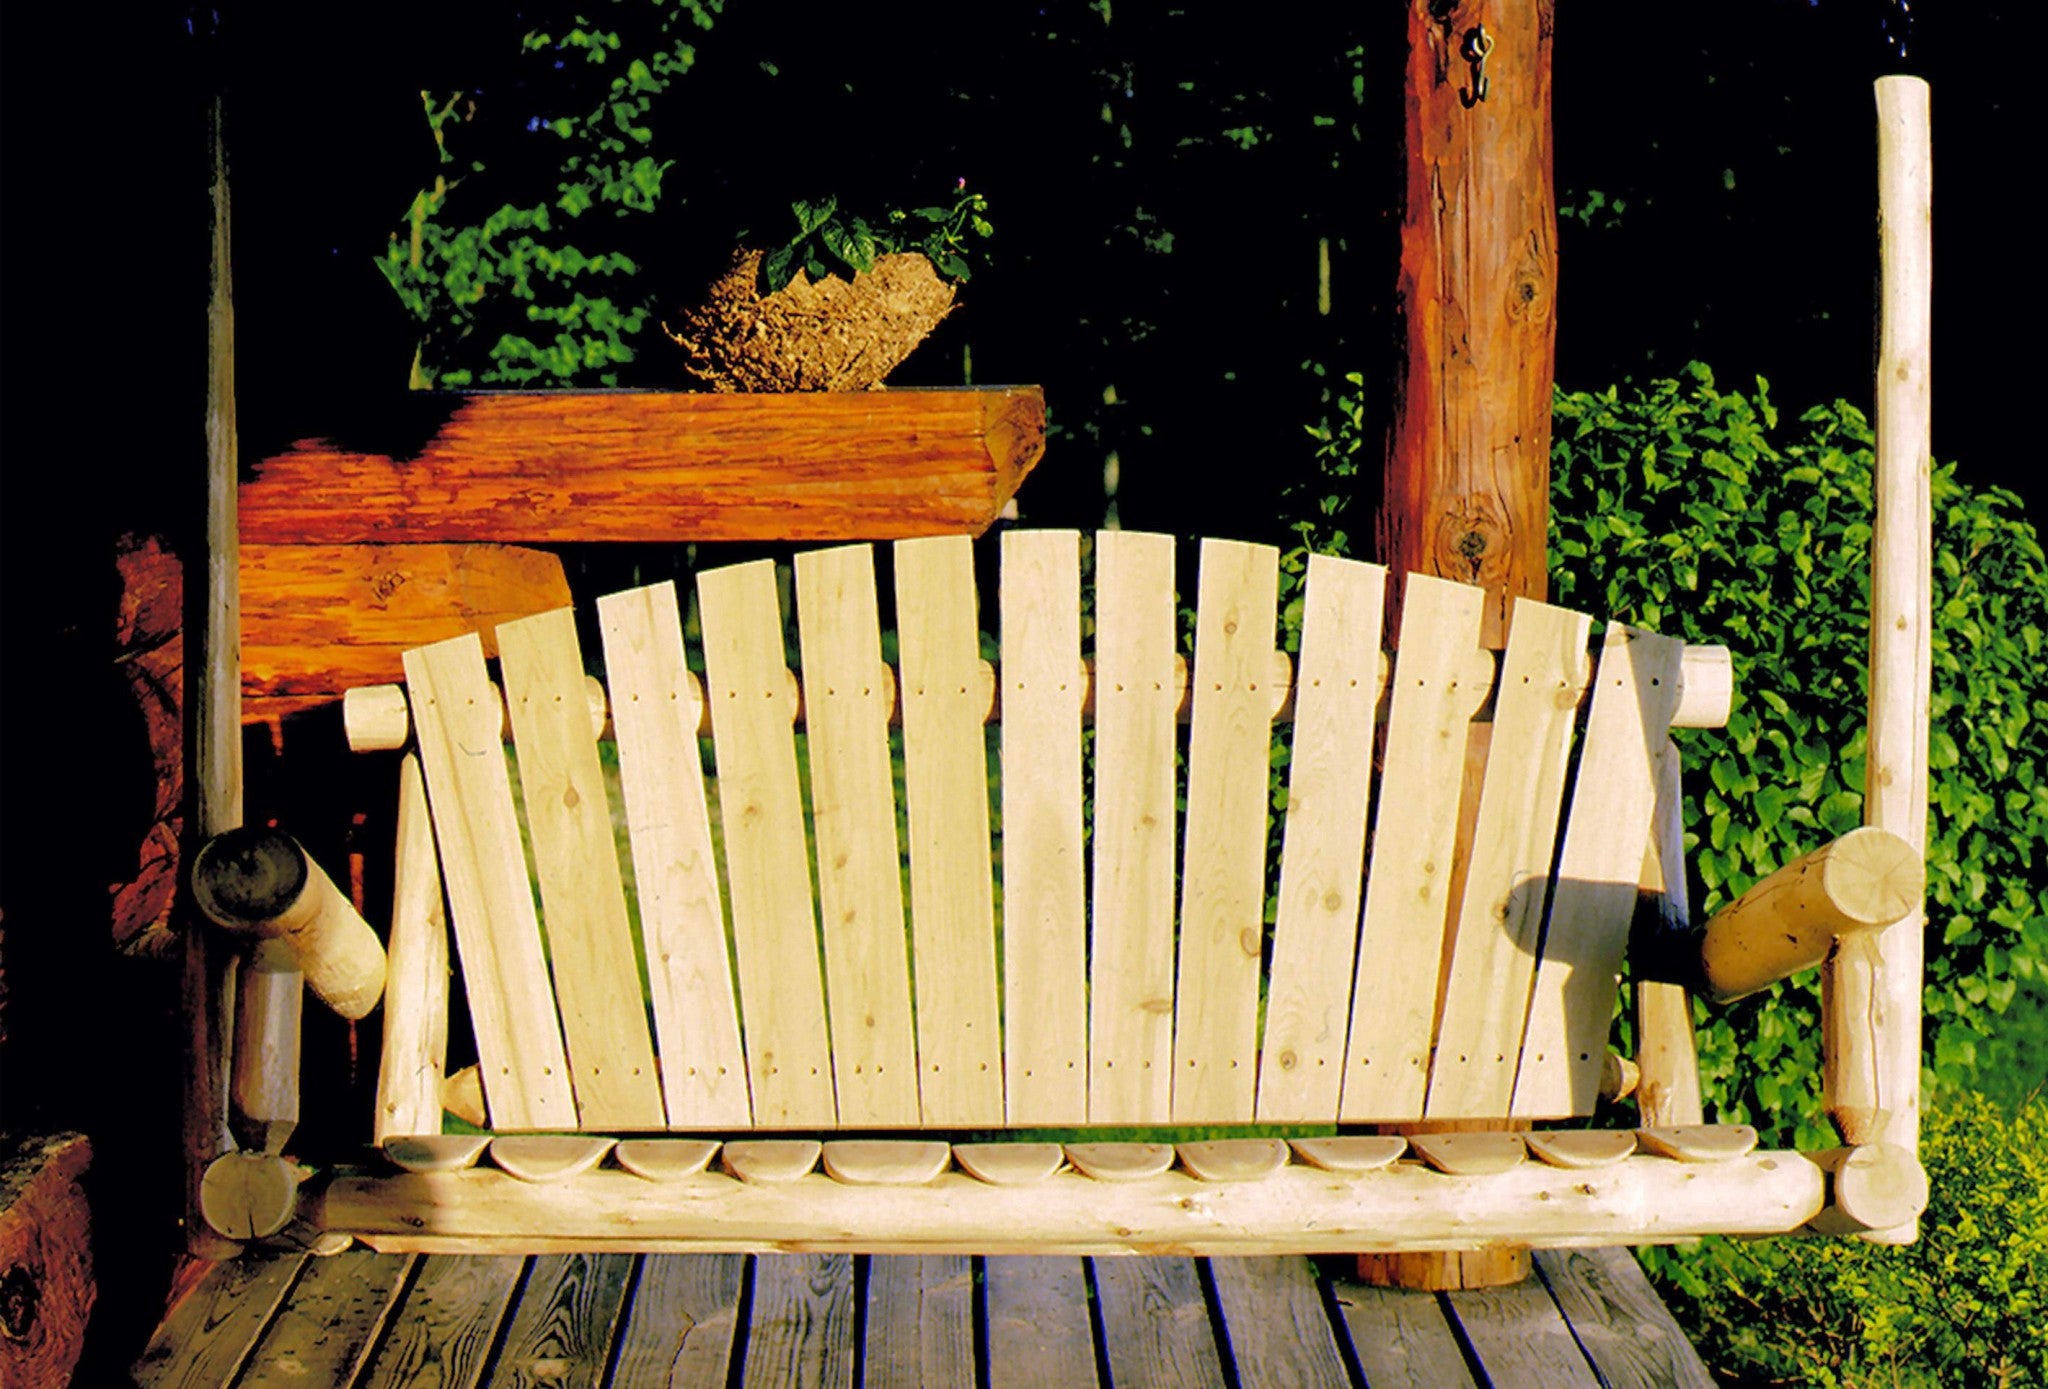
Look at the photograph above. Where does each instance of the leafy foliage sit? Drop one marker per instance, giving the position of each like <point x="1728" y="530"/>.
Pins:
<point x="1695" y="512"/>
<point x="554" y="312"/>
<point x="1967" y="1305"/>
<point x="829" y="241"/>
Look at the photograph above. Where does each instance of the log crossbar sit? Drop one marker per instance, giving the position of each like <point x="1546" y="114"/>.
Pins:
<point x="951" y="894"/>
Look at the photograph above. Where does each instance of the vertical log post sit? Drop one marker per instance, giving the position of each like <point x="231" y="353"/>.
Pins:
<point x="1871" y="987"/>
<point x="214" y="707"/>
<point x="1467" y="478"/>
<point x="1467" y="493"/>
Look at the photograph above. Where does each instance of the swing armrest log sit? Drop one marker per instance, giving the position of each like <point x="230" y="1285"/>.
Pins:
<point x="1786" y="924"/>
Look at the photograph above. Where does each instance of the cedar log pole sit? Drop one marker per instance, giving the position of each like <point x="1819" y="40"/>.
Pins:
<point x="1467" y="477"/>
<point x="208" y="983"/>
<point x="1871" y="986"/>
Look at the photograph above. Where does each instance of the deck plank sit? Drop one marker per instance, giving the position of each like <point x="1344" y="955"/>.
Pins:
<point x="1401" y="1340"/>
<point x="1518" y="1334"/>
<point x="563" y="1322"/>
<point x="442" y="1332"/>
<point x="1155" y="1324"/>
<point x="1620" y="1322"/>
<point x="1038" y="1324"/>
<point x="1275" y="1329"/>
<point x="802" y="1331"/>
<point x="920" y="1322"/>
<point x="207" y="1336"/>
<point x="330" y="1323"/>
<point x="679" y="1328"/>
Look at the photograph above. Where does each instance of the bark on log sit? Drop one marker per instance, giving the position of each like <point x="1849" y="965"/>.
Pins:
<point x="149" y="641"/>
<point x="1468" y="448"/>
<point x="46" y="1276"/>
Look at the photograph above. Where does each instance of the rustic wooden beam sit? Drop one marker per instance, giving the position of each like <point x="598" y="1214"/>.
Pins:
<point x="1871" y="987"/>
<point x="1297" y="1209"/>
<point x="321" y="619"/>
<point x="557" y="466"/>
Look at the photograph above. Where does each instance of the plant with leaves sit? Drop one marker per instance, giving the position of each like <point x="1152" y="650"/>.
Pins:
<point x="1700" y="513"/>
<point x="829" y="241"/>
<point x="510" y="298"/>
<point x="1966" y="1305"/>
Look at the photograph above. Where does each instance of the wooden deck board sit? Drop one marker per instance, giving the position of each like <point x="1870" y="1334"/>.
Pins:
<point x="1273" y="1324"/>
<point x="563" y="1323"/>
<point x="920" y="1322"/>
<point x="326" y="1328"/>
<point x="1400" y="1340"/>
<point x="1619" y="1321"/>
<point x="801" y="1335"/>
<point x="1520" y="1337"/>
<point x="679" y="1321"/>
<point x="207" y="1336"/>
<point x="442" y="1333"/>
<point x="1039" y="1330"/>
<point x="678" y="1333"/>
<point x="1155" y="1324"/>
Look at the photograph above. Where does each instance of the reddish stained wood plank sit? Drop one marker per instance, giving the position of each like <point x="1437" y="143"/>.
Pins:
<point x="657" y="466"/>
<point x="320" y="619"/>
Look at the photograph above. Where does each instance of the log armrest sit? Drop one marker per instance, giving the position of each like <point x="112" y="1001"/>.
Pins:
<point x="1867" y="879"/>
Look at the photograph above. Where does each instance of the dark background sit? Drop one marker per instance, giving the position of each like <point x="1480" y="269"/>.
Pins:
<point x="1159" y="180"/>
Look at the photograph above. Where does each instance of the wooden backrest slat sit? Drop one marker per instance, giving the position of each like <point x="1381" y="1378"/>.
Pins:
<point x="1635" y="693"/>
<point x="1440" y="677"/>
<point x="655" y="715"/>
<point x="768" y="869"/>
<point x="576" y="858"/>
<point x="853" y="818"/>
<point x="456" y="716"/>
<point x="945" y="786"/>
<point x="1223" y="874"/>
<point x="1322" y="861"/>
<point x="415" y="1050"/>
<point x="1045" y="1017"/>
<point x="1130" y="1043"/>
<point x="1500" y="918"/>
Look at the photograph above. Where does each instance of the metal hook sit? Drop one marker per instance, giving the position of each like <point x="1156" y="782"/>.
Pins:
<point x="1473" y="49"/>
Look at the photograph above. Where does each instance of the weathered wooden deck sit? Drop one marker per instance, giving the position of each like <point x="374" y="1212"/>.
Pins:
<point x="360" y="1319"/>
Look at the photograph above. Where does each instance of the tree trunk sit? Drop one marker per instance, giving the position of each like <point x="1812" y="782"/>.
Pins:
<point x="1467" y="480"/>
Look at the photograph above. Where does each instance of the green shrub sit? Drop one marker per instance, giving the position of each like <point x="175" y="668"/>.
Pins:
<point x="1696" y="512"/>
<point x="1964" y="1306"/>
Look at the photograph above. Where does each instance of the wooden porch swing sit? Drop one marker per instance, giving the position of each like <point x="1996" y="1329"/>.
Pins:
<point x="835" y="1012"/>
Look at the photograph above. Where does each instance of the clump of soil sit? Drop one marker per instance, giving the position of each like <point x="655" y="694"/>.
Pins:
<point x="811" y="335"/>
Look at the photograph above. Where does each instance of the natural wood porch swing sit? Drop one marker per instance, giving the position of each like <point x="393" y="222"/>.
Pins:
<point x="1389" y="995"/>
<point x="1129" y="985"/>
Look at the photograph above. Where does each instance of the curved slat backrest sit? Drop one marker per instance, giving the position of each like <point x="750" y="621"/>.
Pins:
<point x="1420" y="929"/>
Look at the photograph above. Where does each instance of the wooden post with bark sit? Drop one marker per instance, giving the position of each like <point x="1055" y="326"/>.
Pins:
<point x="1467" y="478"/>
<point x="214" y="709"/>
